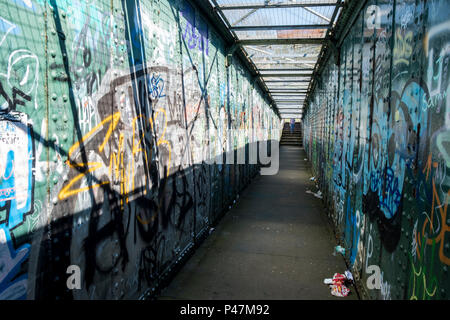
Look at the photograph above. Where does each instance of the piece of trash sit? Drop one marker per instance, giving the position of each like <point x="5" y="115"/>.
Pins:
<point x="312" y="178"/>
<point x="306" y="159"/>
<point x="338" y="278"/>
<point x="211" y="230"/>
<point x="338" y="284"/>
<point x="339" y="290"/>
<point x="348" y="275"/>
<point x="339" y="249"/>
<point x="317" y="194"/>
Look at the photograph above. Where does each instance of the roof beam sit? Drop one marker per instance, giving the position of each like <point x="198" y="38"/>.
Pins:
<point x="317" y="14"/>
<point x="289" y="91"/>
<point x="302" y="94"/>
<point x="281" y="27"/>
<point x="291" y="112"/>
<point x="264" y="42"/>
<point x="261" y="60"/>
<point x="287" y="70"/>
<point x="278" y="96"/>
<point x="287" y="81"/>
<point x="295" y="90"/>
<point x="272" y="6"/>
<point x="289" y="101"/>
<point x="280" y="75"/>
<point x="288" y="105"/>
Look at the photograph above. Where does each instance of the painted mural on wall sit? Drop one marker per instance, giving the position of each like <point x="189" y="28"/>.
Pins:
<point x="378" y="139"/>
<point x="106" y="112"/>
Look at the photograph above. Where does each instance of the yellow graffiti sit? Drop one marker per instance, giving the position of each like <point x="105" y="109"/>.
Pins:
<point x="402" y="48"/>
<point x="419" y="279"/>
<point x="420" y="275"/>
<point x="442" y="207"/>
<point x="116" y="169"/>
<point x="161" y="139"/>
<point x="67" y="191"/>
<point x="145" y="222"/>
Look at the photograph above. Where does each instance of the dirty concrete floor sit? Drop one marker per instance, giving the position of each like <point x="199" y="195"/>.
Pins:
<point x="275" y="243"/>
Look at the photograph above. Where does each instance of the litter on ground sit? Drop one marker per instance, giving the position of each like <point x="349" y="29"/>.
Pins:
<point x="317" y="194"/>
<point x="338" y="284"/>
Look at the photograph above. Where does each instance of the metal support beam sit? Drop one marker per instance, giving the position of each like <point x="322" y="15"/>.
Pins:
<point x="279" y="95"/>
<point x="230" y="52"/>
<point x="335" y="51"/>
<point x="275" y="92"/>
<point x="272" y="6"/>
<point x="290" y="81"/>
<point x="281" y="75"/>
<point x="304" y="90"/>
<point x="318" y="14"/>
<point x="265" y="42"/>
<point x="288" y="103"/>
<point x="281" y="27"/>
<point x="287" y="70"/>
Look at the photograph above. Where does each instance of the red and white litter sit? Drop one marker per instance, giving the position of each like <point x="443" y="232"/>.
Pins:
<point x="338" y="284"/>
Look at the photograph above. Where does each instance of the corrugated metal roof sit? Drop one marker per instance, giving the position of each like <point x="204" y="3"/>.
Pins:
<point x="286" y="68"/>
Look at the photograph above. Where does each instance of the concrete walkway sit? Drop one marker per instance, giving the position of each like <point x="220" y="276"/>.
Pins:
<point x="275" y="243"/>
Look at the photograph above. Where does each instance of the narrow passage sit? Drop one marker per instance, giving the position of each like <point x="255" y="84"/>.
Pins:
<point x="275" y="243"/>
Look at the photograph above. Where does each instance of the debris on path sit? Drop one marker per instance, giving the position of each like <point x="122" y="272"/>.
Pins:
<point x="339" y="283"/>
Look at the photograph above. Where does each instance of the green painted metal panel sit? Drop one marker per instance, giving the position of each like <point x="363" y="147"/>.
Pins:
<point x="108" y="113"/>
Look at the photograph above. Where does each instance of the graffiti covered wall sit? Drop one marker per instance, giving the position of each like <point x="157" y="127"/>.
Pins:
<point x="108" y="110"/>
<point x="378" y="134"/>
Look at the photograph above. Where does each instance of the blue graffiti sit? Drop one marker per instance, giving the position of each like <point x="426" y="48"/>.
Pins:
<point x="351" y="230"/>
<point x="8" y="187"/>
<point x="16" y="190"/>
<point x="390" y="195"/>
<point x="156" y="87"/>
<point x="12" y="287"/>
<point x="196" y="32"/>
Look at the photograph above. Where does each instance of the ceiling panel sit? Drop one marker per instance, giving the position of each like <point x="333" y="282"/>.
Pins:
<point x="282" y="38"/>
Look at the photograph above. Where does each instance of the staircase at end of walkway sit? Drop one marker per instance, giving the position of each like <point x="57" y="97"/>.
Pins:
<point x="292" y="139"/>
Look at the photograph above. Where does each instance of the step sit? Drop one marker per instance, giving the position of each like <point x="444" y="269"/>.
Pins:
<point x="290" y="138"/>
